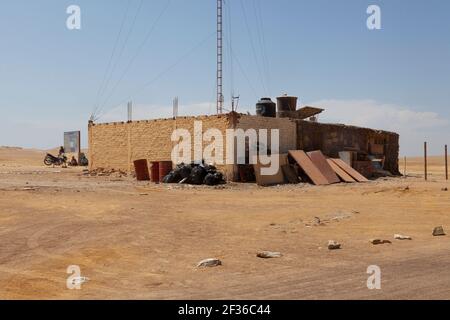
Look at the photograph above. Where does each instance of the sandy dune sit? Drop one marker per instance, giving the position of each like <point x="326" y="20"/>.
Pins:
<point x="137" y="240"/>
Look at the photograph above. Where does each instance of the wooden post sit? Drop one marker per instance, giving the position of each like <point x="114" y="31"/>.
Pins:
<point x="425" y="160"/>
<point x="90" y="145"/>
<point x="446" y="163"/>
<point x="404" y="171"/>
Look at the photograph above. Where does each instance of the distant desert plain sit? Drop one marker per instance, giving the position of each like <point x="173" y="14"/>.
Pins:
<point x="137" y="240"/>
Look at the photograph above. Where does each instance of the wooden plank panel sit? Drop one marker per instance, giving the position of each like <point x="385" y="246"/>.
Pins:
<point x="266" y="180"/>
<point x="321" y="163"/>
<point x="341" y="173"/>
<point x="308" y="167"/>
<point x="355" y="174"/>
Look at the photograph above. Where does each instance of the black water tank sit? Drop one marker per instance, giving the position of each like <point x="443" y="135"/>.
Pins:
<point x="266" y="108"/>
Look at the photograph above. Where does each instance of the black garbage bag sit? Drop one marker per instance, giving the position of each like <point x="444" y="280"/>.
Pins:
<point x="195" y="174"/>
<point x="219" y="177"/>
<point x="198" y="175"/>
<point x="214" y="179"/>
<point x="210" y="180"/>
<point x="179" y="173"/>
<point x="182" y="171"/>
<point x="170" y="178"/>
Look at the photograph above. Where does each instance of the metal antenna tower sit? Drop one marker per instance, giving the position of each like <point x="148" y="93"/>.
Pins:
<point x="219" y="58"/>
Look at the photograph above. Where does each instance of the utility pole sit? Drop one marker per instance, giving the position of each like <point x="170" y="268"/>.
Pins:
<point x="219" y="57"/>
<point x="446" y="163"/>
<point x="425" y="160"/>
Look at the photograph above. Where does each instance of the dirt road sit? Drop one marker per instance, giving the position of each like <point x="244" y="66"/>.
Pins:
<point x="142" y="241"/>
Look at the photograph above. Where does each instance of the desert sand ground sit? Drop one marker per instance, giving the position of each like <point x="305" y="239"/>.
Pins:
<point x="142" y="241"/>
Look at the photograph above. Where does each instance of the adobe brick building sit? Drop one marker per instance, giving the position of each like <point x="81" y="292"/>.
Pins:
<point x="117" y="145"/>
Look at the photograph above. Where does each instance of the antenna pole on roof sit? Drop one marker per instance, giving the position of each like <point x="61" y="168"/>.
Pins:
<point x="130" y="111"/>
<point x="175" y="107"/>
<point x="219" y="57"/>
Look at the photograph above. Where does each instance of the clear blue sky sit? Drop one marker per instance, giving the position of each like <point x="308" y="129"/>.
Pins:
<point x="320" y="50"/>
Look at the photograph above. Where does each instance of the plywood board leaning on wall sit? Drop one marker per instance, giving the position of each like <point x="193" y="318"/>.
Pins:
<point x="270" y="180"/>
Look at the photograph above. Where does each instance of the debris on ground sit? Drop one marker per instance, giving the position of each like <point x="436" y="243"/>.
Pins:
<point x="29" y="189"/>
<point x="379" y="241"/>
<point x="438" y="231"/>
<point x="268" y="254"/>
<point x="79" y="280"/>
<point x="208" y="263"/>
<point x="195" y="174"/>
<point x="101" y="172"/>
<point x="329" y="218"/>
<point x="444" y="189"/>
<point x="401" y="237"/>
<point x="333" y="245"/>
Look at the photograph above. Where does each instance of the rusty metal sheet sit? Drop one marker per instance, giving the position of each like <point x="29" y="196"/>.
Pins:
<point x="321" y="163"/>
<point x="355" y="174"/>
<point x="308" y="167"/>
<point x="341" y="173"/>
<point x="308" y="112"/>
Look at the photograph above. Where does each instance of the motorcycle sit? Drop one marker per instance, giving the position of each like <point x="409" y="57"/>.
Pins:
<point x="51" y="160"/>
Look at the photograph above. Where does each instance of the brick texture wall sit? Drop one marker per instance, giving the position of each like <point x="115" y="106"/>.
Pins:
<point x="117" y="145"/>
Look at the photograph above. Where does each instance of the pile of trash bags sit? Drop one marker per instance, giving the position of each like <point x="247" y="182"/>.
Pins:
<point x="196" y="174"/>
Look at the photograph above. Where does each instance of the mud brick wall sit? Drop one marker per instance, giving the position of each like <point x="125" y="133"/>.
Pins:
<point x="332" y="138"/>
<point x="108" y="146"/>
<point x="117" y="145"/>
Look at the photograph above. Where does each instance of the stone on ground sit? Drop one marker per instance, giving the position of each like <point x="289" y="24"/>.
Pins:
<point x="268" y="254"/>
<point x="438" y="231"/>
<point x="379" y="241"/>
<point x="208" y="263"/>
<point x="402" y="237"/>
<point x="333" y="245"/>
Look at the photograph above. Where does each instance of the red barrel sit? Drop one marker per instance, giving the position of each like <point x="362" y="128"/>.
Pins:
<point x="155" y="171"/>
<point x="141" y="168"/>
<point x="164" y="169"/>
